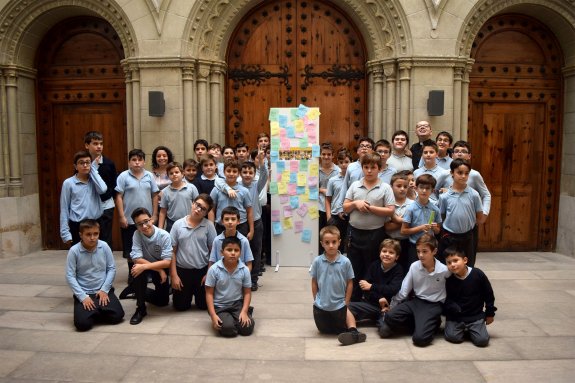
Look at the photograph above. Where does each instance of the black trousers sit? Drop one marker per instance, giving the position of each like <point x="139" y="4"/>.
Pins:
<point x="127" y="239"/>
<point x="112" y="313"/>
<point x="106" y="225"/>
<point x="462" y="241"/>
<point x="342" y="225"/>
<point x="418" y="316"/>
<point x="193" y="289"/>
<point x="231" y="325"/>
<point x="330" y="322"/>
<point x="159" y="297"/>
<point x="256" y="246"/>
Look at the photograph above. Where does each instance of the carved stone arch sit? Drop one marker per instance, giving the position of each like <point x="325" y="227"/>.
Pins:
<point x="547" y="11"/>
<point x="383" y="25"/>
<point x="18" y="45"/>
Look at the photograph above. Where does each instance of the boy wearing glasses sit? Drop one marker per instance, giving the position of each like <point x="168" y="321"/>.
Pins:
<point x="80" y="197"/>
<point x="151" y="255"/>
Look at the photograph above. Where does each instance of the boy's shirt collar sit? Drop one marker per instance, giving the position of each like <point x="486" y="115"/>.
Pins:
<point x="336" y="260"/>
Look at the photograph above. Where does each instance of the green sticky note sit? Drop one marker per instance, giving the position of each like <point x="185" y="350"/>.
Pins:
<point x="274" y="113"/>
<point x="431" y="218"/>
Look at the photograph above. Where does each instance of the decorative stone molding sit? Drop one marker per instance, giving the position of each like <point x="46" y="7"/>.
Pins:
<point x="383" y="24"/>
<point x="158" y="10"/>
<point x="19" y="15"/>
<point x="435" y="9"/>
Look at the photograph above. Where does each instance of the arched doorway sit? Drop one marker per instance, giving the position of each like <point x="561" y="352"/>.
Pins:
<point x="515" y="99"/>
<point x="80" y="87"/>
<point x="290" y="52"/>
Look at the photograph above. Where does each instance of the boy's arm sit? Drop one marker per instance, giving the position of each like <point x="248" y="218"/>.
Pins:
<point x="71" y="277"/>
<point x="216" y="321"/>
<point x="155" y="203"/>
<point x="244" y="318"/>
<point x="221" y="185"/>
<point x="162" y="219"/>
<point x="348" y="291"/>
<point x="328" y="207"/>
<point x="250" y="213"/>
<point x="382" y="211"/>
<point x="99" y="183"/>
<point x="484" y="193"/>
<point x="263" y="179"/>
<point x="119" y="200"/>
<point x="314" y="288"/>
<point x="406" y="287"/>
<point x="110" y="270"/>
<point x="176" y="282"/>
<point x="64" y="217"/>
<point x="489" y="298"/>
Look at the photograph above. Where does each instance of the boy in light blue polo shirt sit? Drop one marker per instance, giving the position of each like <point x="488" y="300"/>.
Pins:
<point x="228" y="292"/>
<point x="176" y="198"/>
<point x="430" y="166"/>
<point x="331" y="286"/>
<point x="231" y="218"/>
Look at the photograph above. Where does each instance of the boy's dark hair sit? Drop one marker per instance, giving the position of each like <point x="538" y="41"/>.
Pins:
<point x="93" y="135"/>
<point x="430" y="143"/>
<point x="391" y="244"/>
<point x="445" y="134"/>
<point x="453" y="251"/>
<point x="88" y="223"/>
<point x="139" y="211"/>
<point x="383" y="142"/>
<point x="200" y="141"/>
<point x="405" y="172"/>
<point x="242" y="145"/>
<point x="400" y="133"/>
<point x="206" y="158"/>
<point x="227" y="147"/>
<point x="329" y="229"/>
<point x="137" y="153"/>
<point x="326" y="146"/>
<point x="81" y="154"/>
<point x="427" y="239"/>
<point x="230" y="210"/>
<point x="207" y="199"/>
<point x="172" y="165"/>
<point x="248" y="165"/>
<point x="398" y="176"/>
<point x="458" y="162"/>
<point x="215" y="145"/>
<point x="372" y="158"/>
<point x="261" y="135"/>
<point x="231" y="241"/>
<point x="254" y="153"/>
<point x="462" y="144"/>
<point x="155" y="152"/>
<point x="190" y="162"/>
<point x="426" y="180"/>
<point x="234" y="164"/>
<point x="365" y="139"/>
<point x="343" y="153"/>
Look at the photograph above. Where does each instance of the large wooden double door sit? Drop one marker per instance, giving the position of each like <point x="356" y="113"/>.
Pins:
<point x="290" y="52"/>
<point x="515" y="98"/>
<point x="80" y="88"/>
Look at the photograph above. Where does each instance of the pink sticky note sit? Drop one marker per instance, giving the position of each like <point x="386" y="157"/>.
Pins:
<point x="276" y="215"/>
<point x="302" y="210"/>
<point x="292" y="190"/>
<point x="294" y="165"/>
<point x="298" y="226"/>
<point x="287" y="211"/>
<point x="284" y="199"/>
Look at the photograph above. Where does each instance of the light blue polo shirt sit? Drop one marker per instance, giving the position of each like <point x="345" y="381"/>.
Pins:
<point x="332" y="278"/>
<point x="136" y="192"/>
<point x="400" y="212"/>
<point x="155" y="248"/>
<point x="228" y="287"/>
<point x="437" y="172"/>
<point x="475" y="181"/>
<point x="417" y="214"/>
<point x="460" y="209"/>
<point x="323" y="181"/>
<point x="178" y="202"/>
<point x="386" y="174"/>
<point x="245" y="250"/>
<point x="242" y="201"/>
<point x="194" y="243"/>
<point x="335" y="191"/>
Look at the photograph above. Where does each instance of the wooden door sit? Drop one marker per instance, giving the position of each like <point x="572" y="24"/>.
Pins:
<point x="290" y="52"/>
<point x="80" y="88"/>
<point x="515" y="132"/>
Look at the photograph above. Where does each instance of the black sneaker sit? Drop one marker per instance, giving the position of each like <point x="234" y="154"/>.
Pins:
<point x="255" y="286"/>
<point x="128" y="293"/>
<point x="383" y="329"/>
<point x="138" y="316"/>
<point x="351" y="337"/>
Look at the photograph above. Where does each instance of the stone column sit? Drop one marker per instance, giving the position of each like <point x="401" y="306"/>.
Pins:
<point x="458" y="104"/>
<point x="4" y="149"/>
<point x="190" y="130"/>
<point x="405" y="83"/>
<point x="129" y="110"/>
<point x="216" y="109"/>
<point x="377" y="127"/>
<point x="464" y="101"/>
<point x="390" y="97"/>
<point x="15" y="180"/>
<point x="203" y="98"/>
<point x="136" y="109"/>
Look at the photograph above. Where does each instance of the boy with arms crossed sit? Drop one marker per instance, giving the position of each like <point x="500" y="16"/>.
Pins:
<point x="400" y="186"/>
<point x="176" y="198"/>
<point x="228" y="292"/>
<point x="430" y="166"/>
<point x="334" y="210"/>
<point x="90" y="272"/>
<point x="468" y="293"/>
<point x="331" y="286"/>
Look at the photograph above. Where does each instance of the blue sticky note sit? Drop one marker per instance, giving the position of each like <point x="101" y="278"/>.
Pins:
<point x="283" y="120"/>
<point x="273" y="114"/>
<point x="300" y="190"/>
<point x="274" y="156"/>
<point x="313" y="194"/>
<point x="303" y="165"/>
<point x="306" y="235"/>
<point x="277" y="228"/>
<point x="302" y="110"/>
<point x="315" y="152"/>
<point x="294" y="201"/>
<point x="293" y="178"/>
<point x="293" y="114"/>
<point x="290" y="131"/>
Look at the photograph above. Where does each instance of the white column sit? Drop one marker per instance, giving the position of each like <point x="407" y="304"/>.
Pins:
<point x="136" y="109"/>
<point x="202" y="98"/>
<point x="464" y="101"/>
<point x="190" y="129"/>
<point x="4" y="148"/>
<point x="129" y="108"/>
<point x="390" y="97"/>
<point x="216" y="113"/>
<point x="405" y="82"/>
<point x="457" y="102"/>
<point x="15" y="180"/>
<point x="378" y="103"/>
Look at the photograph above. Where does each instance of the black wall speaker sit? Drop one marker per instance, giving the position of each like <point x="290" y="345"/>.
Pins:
<point x="435" y="103"/>
<point x="157" y="104"/>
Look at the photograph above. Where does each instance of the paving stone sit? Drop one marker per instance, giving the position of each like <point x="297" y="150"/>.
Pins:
<point x="303" y="371"/>
<point x="252" y="347"/>
<point x="175" y="346"/>
<point x="11" y="359"/>
<point x="536" y="371"/>
<point x="38" y="320"/>
<point x="30" y="303"/>
<point x="20" y="290"/>
<point x="57" y="341"/>
<point x="440" y="349"/>
<point x="398" y="372"/>
<point x="556" y="347"/>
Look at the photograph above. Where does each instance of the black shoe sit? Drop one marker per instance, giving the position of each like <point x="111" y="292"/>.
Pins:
<point x="262" y="269"/>
<point x="351" y="337"/>
<point x="255" y="286"/>
<point x="384" y="330"/>
<point x="138" y="316"/>
<point x="260" y="274"/>
<point x="128" y="293"/>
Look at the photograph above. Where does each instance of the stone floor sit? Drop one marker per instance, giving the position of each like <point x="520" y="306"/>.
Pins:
<point x="532" y="338"/>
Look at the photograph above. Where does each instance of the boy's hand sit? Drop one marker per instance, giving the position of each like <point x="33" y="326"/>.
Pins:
<point x="244" y="319"/>
<point x="163" y="276"/>
<point x="362" y="206"/>
<point x="217" y="322"/>
<point x="96" y="160"/>
<point x="137" y="269"/>
<point x="88" y="304"/>
<point x="123" y="222"/>
<point x="384" y="304"/>
<point x="365" y="285"/>
<point x="203" y="280"/>
<point x="177" y="283"/>
<point x="232" y="194"/>
<point x="489" y="320"/>
<point x="250" y="235"/>
<point x="103" y="298"/>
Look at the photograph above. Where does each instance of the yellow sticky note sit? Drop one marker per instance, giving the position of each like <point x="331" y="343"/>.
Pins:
<point x="313" y="113"/>
<point x="285" y="176"/>
<point x="299" y="126"/>
<point x="301" y="179"/>
<point x="287" y="223"/>
<point x="275" y="128"/>
<point x="313" y="213"/>
<point x="305" y="196"/>
<point x="313" y="169"/>
<point x="282" y="188"/>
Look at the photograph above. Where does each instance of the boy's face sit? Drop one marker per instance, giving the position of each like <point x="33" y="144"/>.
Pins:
<point x="411" y="180"/>
<point x="399" y="142"/>
<point x="199" y="208"/>
<point x="461" y="152"/>
<point x="209" y="168"/>
<point x="175" y="175"/>
<point x="384" y="153"/>
<point x="263" y="142"/>
<point x="429" y="154"/>
<point x="425" y="254"/>
<point x="399" y="188"/>
<point x="424" y="192"/>
<point x="89" y="237"/>
<point x="460" y="175"/>
<point x="242" y="153"/>
<point x="343" y="164"/>
<point x="229" y="154"/>
<point x="82" y="165"/>
<point x="231" y="174"/>
<point x="370" y="171"/>
<point x="423" y="130"/>
<point x="200" y="150"/>
<point x="231" y="253"/>
<point x="215" y="152"/>
<point x="364" y="148"/>
<point x="144" y="224"/>
<point x="136" y="163"/>
<point x="190" y="172"/>
<point x="326" y="156"/>
<point x="95" y="147"/>
<point x="443" y="143"/>
<point x="248" y="175"/>
<point x="230" y="221"/>
<point x="161" y="158"/>
<point x="330" y="244"/>
<point x="457" y="264"/>
<point x="388" y="257"/>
